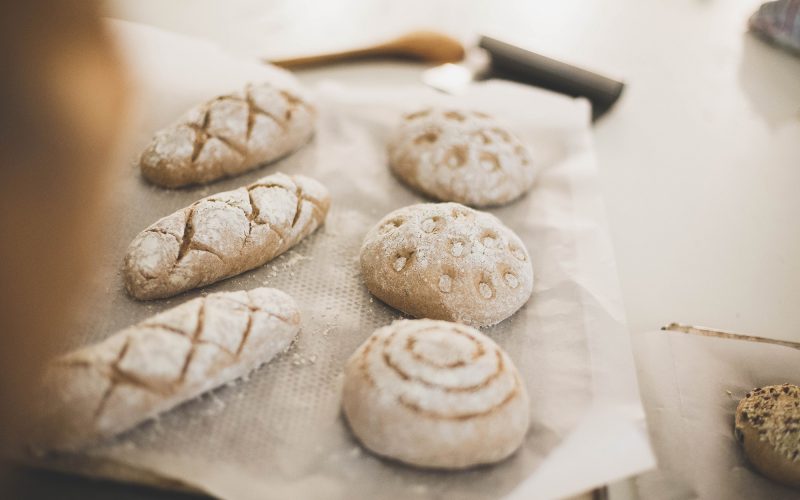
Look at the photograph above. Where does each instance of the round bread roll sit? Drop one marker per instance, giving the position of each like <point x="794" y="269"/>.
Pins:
<point x="447" y="261"/>
<point x="768" y="426"/>
<point x="462" y="156"/>
<point x="435" y="394"/>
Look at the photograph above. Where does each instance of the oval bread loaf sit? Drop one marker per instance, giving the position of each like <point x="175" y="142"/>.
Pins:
<point x="767" y="424"/>
<point x="228" y="135"/>
<point x="447" y="261"/>
<point x="435" y="394"/>
<point x="462" y="156"/>
<point x="223" y="235"/>
<point x="104" y="389"/>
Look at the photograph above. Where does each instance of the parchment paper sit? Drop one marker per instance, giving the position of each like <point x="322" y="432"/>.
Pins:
<point x="691" y="385"/>
<point x="280" y="433"/>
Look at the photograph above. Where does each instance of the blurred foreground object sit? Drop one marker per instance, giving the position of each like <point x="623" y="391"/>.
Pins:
<point x="778" y="23"/>
<point x="63" y="98"/>
<point x="427" y="46"/>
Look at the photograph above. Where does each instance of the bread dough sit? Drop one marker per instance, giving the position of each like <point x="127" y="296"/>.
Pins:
<point x="223" y="235"/>
<point x="228" y="135"/>
<point x="447" y="261"/>
<point x="462" y="156"/>
<point x="435" y="394"/>
<point x="104" y="389"/>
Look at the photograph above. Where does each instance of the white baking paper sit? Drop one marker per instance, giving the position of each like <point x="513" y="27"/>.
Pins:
<point x="691" y="385"/>
<point x="280" y="434"/>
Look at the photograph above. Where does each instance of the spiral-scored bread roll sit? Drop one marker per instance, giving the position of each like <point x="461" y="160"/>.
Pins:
<point x="435" y="394"/>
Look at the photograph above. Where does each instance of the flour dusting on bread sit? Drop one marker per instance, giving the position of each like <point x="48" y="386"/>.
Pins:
<point x="461" y="155"/>
<point x="447" y="261"/>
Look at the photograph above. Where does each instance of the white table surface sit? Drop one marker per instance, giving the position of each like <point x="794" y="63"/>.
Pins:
<point x="699" y="161"/>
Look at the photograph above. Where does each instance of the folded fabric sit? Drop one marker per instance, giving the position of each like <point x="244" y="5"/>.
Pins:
<point x="778" y="22"/>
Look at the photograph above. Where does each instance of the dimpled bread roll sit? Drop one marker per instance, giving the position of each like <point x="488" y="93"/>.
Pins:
<point x="227" y="136"/>
<point x="435" y="394"/>
<point x="107" y="388"/>
<point x="459" y="155"/>
<point x="767" y="424"/>
<point x="447" y="261"/>
<point x="223" y="235"/>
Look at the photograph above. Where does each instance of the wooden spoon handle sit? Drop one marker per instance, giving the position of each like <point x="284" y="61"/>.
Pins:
<point x="427" y="46"/>
<point x="319" y="59"/>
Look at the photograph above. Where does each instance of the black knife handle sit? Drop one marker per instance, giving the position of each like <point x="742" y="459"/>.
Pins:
<point x="515" y="63"/>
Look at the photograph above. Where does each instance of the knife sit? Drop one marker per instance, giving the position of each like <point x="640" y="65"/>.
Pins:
<point x="493" y="58"/>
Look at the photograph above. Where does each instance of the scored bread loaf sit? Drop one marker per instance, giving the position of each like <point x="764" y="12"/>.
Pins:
<point x="223" y="235"/>
<point x="102" y="390"/>
<point x="435" y="394"/>
<point x="228" y="135"/>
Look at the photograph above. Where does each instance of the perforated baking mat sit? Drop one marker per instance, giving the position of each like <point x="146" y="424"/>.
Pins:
<point x="280" y="434"/>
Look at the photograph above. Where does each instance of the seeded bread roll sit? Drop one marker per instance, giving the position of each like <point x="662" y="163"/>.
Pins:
<point x="447" y="261"/>
<point x="767" y="424"/>
<point x="223" y="235"/>
<point x="462" y="156"/>
<point x="228" y="135"/>
<point x="435" y="394"/>
<point x="107" y="388"/>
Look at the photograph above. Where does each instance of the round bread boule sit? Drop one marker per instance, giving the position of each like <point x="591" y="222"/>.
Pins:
<point x="447" y="261"/>
<point x="435" y="394"/>
<point x="768" y="427"/>
<point x="462" y="156"/>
